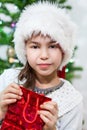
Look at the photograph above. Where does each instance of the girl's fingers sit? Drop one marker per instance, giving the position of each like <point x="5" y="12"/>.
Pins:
<point x="45" y="119"/>
<point x="13" y="88"/>
<point x="47" y="114"/>
<point x="52" y="103"/>
<point x="8" y="101"/>
<point x="11" y="96"/>
<point x="48" y="123"/>
<point x="50" y="106"/>
<point x="14" y="85"/>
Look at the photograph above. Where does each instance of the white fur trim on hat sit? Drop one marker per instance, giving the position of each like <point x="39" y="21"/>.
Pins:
<point x="49" y="19"/>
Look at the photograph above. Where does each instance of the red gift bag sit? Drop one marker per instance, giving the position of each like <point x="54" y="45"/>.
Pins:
<point x="22" y="115"/>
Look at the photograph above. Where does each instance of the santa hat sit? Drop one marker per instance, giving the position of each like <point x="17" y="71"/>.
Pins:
<point x="46" y="18"/>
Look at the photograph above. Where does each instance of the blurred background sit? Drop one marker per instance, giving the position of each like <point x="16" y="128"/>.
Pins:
<point x="79" y="15"/>
<point x="76" y="70"/>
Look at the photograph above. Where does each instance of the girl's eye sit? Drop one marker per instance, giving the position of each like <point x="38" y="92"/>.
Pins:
<point x="53" y="46"/>
<point x="35" y="47"/>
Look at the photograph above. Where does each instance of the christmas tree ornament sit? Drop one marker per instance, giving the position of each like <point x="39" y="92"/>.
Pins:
<point x="11" y="52"/>
<point x="13" y="24"/>
<point x="13" y="60"/>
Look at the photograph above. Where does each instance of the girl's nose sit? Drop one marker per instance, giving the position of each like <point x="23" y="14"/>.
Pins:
<point x="44" y="54"/>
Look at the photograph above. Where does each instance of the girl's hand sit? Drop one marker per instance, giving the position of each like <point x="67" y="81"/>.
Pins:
<point x="10" y="95"/>
<point x="49" y="114"/>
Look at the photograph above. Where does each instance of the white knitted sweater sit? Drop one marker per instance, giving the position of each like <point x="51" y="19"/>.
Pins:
<point x="69" y="101"/>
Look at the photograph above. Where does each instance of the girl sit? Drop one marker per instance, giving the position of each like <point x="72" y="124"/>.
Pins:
<point x="44" y="43"/>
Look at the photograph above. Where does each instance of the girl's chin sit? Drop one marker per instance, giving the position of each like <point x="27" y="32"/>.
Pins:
<point x="46" y="73"/>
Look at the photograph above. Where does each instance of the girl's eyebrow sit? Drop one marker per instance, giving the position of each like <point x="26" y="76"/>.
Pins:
<point x="34" y="42"/>
<point x="52" y="41"/>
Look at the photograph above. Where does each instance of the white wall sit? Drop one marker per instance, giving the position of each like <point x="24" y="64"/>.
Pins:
<point x="79" y="15"/>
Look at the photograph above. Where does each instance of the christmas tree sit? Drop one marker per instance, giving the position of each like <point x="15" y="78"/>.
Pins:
<point x="9" y="13"/>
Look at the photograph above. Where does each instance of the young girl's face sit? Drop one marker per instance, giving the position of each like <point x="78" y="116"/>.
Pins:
<point x="43" y="55"/>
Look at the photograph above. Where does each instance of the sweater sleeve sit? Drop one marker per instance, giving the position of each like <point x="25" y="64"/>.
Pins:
<point x="8" y="76"/>
<point x="72" y="120"/>
<point x="2" y="81"/>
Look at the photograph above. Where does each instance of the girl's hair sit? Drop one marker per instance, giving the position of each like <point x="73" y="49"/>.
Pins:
<point x="27" y="73"/>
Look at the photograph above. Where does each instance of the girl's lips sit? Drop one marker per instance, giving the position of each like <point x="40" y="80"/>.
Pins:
<point x="44" y="66"/>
